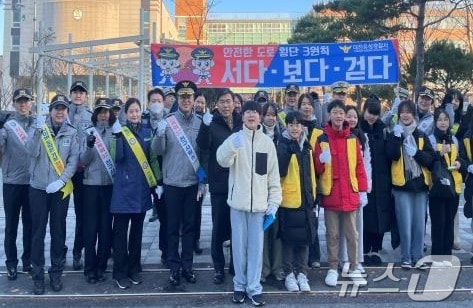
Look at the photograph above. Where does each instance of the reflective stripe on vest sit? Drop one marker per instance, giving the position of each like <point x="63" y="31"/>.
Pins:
<point x="457" y="177"/>
<point x="291" y="183"/>
<point x="326" y="176"/>
<point x="466" y="142"/>
<point x="397" y="169"/>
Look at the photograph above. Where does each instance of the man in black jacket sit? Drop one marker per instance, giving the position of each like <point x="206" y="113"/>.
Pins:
<point x="215" y="128"/>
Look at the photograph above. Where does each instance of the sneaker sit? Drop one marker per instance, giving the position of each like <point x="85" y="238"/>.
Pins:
<point x="406" y="265"/>
<point x="421" y="266"/>
<point x="376" y="259"/>
<point x="27" y="267"/>
<point x="456" y="246"/>
<point x="123" y="283"/>
<point x="357" y="277"/>
<point x="279" y="276"/>
<point x="303" y="282"/>
<point x="189" y="276"/>
<point x="331" y="278"/>
<point x="175" y="278"/>
<point x="56" y="284"/>
<point x="135" y="278"/>
<point x="361" y="268"/>
<point x="38" y="287"/>
<point x="291" y="283"/>
<point x="258" y="300"/>
<point x="238" y="297"/>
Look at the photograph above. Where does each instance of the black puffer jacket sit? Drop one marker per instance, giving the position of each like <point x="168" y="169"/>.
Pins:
<point x="297" y="226"/>
<point x="209" y="139"/>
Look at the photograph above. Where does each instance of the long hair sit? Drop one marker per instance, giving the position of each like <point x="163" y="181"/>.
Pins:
<point x="96" y="112"/>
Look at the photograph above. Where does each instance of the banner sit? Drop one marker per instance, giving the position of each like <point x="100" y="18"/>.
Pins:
<point x="218" y="66"/>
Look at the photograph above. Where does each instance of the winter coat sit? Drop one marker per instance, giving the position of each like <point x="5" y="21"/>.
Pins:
<point x="424" y="158"/>
<point x="177" y="168"/>
<point x="41" y="170"/>
<point x="95" y="172"/>
<point x="209" y="139"/>
<point x="377" y="214"/>
<point x="253" y="181"/>
<point x="297" y="225"/>
<point x="131" y="193"/>
<point x="343" y="196"/>
<point x="15" y="162"/>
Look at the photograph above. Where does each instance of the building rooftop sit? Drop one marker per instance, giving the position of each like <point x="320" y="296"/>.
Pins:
<point x="251" y="16"/>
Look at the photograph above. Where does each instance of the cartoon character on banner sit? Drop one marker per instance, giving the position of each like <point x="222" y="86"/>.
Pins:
<point x="167" y="60"/>
<point x="202" y="62"/>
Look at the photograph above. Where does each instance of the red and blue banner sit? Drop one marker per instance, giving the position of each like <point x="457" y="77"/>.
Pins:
<point x="217" y="66"/>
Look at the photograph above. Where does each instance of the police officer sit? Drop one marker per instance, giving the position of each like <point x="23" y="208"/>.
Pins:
<point x="80" y="118"/>
<point x="290" y="102"/>
<point x="183" y="179"/>
<point x="54" y="150"/>
<point x="13" y="136"/>
<point x="117" y="109"/>
<point x="261" y="97"/>
<point x="98" y="173"/>
<point x="339" y="91"/>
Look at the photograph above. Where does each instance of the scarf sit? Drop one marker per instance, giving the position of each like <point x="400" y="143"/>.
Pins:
<point x="411" y="167"/>
<point x="269" y="130"/>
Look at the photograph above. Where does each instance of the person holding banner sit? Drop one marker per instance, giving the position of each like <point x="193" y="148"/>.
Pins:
<point x="183" y="180"/>
<point x="96" y="154"/>
<point x="54" y="149"/>
<point x="16" y="178"/>
<point x="131" y="196"/>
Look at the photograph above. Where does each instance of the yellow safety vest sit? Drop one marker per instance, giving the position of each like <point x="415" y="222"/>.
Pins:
<point x="466" y="142"/>
<point x="457" y="177"/>
<point x="397" y="169"/>
<point x="313" y="137"/>
<point x="326" y="176"/>
<point x="291" y="184"/>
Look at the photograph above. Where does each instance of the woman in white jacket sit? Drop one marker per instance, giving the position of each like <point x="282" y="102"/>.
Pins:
<point x="254" y="191"/>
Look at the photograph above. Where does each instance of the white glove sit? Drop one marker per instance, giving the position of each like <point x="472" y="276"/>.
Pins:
<point x="272" y="209"/>
<point x="325" y="156"/>
<point x="470" y="168"/>
<point x="116" y="127"/>
<point x="397" y="130"/>
<point x="40" y="122"/>
<point x="411" y="150"/>
<point x="54" y="186"/>
<point x="159" y="191"/>
<point x="162" y="127"/>
<point x="202" y="191"/>
<point x="238" y="140"/>
<point x="207" y="118"/>
<point x="326" y="98"/>
<point x="363" y="198"/>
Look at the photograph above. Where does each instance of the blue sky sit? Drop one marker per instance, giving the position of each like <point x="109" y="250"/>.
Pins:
<point x="295" y="7"/>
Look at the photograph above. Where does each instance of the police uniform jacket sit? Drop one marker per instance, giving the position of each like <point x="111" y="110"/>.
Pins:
<point x="15" y="162"/>
<point x="41" y="170"/>
<point x="95" y="172"/>
<point x="177" y="169"/>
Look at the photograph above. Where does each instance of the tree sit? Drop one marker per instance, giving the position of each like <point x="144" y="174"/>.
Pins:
<point x="448" y="66"/>
<point x="374" y="19"/>
<point x="196" y="13"/>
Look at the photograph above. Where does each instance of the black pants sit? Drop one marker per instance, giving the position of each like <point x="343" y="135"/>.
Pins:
<point x="181" y="206"/>
<point x="42" y="205"/>
<point x="372" y="242"/>
<point x="162" y="216"/>
<point x="16" y="200"/>
<point x="314" y="247"/>
<point x="442" y="215"/>
<point x="221" y="229"/>
<point x="198" y="219"/>
<point x="97" y="228"/>
<point x="127" y="245"/>
<point x="78" y="209"/>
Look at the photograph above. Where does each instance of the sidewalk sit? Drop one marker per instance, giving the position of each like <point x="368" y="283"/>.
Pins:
<point x="151" y="255"/>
